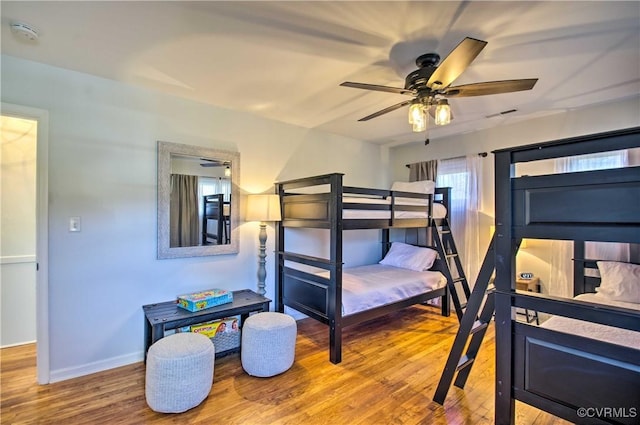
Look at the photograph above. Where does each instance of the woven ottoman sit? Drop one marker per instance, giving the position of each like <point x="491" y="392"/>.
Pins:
<point x="268" y="344"/>
<point x="179" y="372"/>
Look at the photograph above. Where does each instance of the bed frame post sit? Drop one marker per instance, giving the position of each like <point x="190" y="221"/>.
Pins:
<point x="385" y="242"/>
<point x="445" y="303"/>
<point x="279" y="263"/>
<point x="335" y="291"/>
<point x="505" y="284"/>
<point x="578" y="268"/>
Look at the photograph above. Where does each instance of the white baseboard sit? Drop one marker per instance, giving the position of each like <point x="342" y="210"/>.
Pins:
<point x="15" y="344"/>
<point x="89" y="368"/>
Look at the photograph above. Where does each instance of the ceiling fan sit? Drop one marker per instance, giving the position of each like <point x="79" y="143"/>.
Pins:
<point x="430" y="85"/>
<point x="217" y="163"/>
<point x="213" y="162"/>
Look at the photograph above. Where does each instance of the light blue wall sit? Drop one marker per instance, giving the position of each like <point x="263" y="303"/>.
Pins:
<point x="102" y="167"/>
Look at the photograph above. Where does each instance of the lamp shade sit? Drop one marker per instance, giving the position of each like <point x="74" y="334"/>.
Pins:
<point x="263" y="208"/>
<point x="418" y="117"/>
<point x="443" y="112"/>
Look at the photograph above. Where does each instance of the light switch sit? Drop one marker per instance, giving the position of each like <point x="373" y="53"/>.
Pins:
<point x="74" y="224"/>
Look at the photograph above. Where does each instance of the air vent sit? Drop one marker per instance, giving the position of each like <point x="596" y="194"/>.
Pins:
<point x="508" y="111"/>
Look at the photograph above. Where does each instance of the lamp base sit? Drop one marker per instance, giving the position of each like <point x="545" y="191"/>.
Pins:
<point x="262" y="255"/>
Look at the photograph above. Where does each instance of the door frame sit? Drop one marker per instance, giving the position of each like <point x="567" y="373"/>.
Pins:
<point x="41" y="116"/>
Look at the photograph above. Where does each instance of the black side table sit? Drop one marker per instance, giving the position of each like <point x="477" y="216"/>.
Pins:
<point x="167" y="315"/>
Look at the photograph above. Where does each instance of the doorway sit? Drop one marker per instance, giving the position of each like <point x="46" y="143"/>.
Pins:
<point x="24" y="243"/>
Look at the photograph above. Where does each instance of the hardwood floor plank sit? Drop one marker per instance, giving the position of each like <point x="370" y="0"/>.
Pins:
<point x="390" y="370"/>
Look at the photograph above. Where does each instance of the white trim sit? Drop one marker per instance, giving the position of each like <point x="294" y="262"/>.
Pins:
<point x="15" y="259"/>
<point x="94" y="367"/>
<point x="42" y="232"/>
<point x="17" y="344"/>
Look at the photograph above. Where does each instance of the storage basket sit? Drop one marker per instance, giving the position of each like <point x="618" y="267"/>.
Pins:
<point x="226" y="341"/>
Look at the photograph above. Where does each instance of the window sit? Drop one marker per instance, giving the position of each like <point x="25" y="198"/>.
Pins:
<point x="596" y="161"/>
<point x="211" y="186"/>
<point x="463" y="175"/>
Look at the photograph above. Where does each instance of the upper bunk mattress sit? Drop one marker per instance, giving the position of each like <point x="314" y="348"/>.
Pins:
<point x="367" y="287"/>
<point x="597" y="331"/>
<point x="439" y="210"/>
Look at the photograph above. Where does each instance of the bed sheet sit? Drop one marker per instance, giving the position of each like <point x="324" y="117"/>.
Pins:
<point x="597" y="331"/>
<point x="370" y="286"/>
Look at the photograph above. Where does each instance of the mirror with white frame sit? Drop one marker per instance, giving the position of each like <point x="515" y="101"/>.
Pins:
<point x="198" y="201"/>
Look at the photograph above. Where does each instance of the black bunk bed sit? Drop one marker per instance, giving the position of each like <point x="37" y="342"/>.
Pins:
<point x="216" y="211"/>
<point x="320" y="297"/>
<point x="574" y="377"/>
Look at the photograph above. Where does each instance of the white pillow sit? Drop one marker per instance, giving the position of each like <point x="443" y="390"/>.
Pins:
<point x="423" y="186"/>
<point x="619" y="281"/>
<point x="409" y="257"/>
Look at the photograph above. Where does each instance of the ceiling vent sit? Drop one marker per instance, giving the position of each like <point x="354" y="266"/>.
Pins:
<point x="508" y="111"/>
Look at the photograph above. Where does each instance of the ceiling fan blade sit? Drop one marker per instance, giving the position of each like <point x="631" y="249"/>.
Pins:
<point x="454" y="64"/>
<point x="490" y="87"/>
<point x="376" y="87"/>
<point x="213" y="162"/>
<point x="385" y="110"/>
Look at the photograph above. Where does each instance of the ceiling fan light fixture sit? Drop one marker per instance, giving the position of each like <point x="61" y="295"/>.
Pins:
<point x="418" y="117"/>
<point x="419" y="127"/>
<point x="443" y="112"/>
<point x="415" y="113"/>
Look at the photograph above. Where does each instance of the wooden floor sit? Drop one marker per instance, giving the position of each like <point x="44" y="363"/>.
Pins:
<point x="388" y="375"/>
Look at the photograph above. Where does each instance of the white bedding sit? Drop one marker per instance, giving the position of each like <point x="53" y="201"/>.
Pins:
<point x="439" y="210"/>
<point x="597" y="331"/>
<point x="366" y="287"/>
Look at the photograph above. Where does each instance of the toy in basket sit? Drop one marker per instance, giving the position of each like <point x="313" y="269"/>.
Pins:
<point x="205" y="299"/>
<point x="224" y="333"/>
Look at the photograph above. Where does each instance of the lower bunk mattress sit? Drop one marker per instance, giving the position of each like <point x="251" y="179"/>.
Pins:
<point x="375" y="285"/>
<point x="597" y="331"/>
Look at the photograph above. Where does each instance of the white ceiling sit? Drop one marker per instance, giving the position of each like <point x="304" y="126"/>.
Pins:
<point x="285" y="60"/>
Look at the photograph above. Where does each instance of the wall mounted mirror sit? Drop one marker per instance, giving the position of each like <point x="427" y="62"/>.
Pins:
<point x="198" y="201"/>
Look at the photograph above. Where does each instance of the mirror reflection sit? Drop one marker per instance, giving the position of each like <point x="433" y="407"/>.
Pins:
<point x="197" y="203"/>
<point x="200" y="201"/>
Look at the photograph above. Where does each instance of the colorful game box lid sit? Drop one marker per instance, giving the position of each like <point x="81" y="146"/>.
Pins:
<point x="205" y="299"/>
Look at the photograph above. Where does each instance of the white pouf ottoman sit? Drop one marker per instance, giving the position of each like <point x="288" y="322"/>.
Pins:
<point x="268" y="344"/>
<point x="179" y="372"/>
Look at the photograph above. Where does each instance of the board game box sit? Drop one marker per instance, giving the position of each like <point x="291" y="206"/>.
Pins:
<point x="205" y="299"/>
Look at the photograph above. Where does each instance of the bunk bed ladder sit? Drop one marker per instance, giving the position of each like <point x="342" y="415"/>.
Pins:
<point x="473" y="326"/>
<point x="446" y="246"/>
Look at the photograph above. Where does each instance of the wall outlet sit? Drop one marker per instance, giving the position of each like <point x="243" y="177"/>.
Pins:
<point x="74" y="224"/>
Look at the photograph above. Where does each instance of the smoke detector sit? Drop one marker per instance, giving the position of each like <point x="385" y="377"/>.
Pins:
<point x="24" y="31"/>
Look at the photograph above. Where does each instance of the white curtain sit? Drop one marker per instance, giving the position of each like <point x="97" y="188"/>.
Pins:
<point x="561" y="275"/>
<point x="464" y="175"/>
<point x="212" y="186"/>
